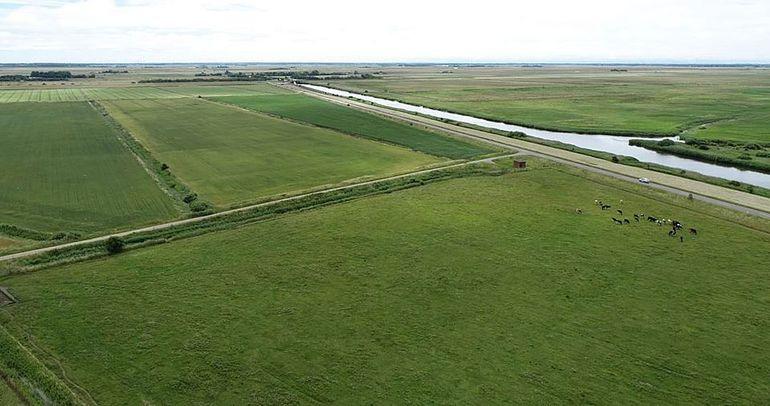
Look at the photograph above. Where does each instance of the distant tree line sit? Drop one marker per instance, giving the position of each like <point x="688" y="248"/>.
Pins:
<point x="263" y="76"/>
<point x="53" y="75"/>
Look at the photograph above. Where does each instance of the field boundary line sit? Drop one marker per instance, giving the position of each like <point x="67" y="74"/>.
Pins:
<point x="136" y="156"/>
<point x="192" y="220"/>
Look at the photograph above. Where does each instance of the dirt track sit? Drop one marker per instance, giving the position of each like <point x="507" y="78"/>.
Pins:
<point x="733" y="199"/>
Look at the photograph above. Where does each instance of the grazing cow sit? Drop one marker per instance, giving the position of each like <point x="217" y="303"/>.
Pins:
<point x="660" y="223"/>
<point x="620" y="212"/>
<point x="681" y="238"/>
<point x="606" y="206"/>
<point x="625" y="221"/>
<point x="672" y="233"/>
<point x="677" y="224"/>
<point x="578" y="211"/>
<point x="616" y="221"/>
<point x="693" y="231"/>
<point x="652" y="219"/>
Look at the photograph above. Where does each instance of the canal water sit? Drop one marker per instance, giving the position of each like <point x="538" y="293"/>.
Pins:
<point x="599" y="142"/>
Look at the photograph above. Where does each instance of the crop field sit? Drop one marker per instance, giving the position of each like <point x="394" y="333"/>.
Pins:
<point x="231" y="156"/>
<point x="475" y="290"/>
<point x="63" y="169"/>
<point x="725" y="104"/>
<point x="128" y="93"/>
<point x="325" y="114"/>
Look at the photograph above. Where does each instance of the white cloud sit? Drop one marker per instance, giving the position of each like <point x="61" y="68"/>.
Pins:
<point x="397" y="30"/>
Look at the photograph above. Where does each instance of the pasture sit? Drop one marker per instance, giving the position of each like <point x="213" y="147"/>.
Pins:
<point x="231" y="156"/>
<point x="340" y="118"/>
<point x="474" y="290"/>
<point x="63" y="169"/>
<point x="725" y="104"/>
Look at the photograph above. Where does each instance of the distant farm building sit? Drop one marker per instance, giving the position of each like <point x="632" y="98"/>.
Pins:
<point x="520" y="164"/>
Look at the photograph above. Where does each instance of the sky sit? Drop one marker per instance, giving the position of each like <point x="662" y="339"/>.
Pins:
<point x="144" y="31"/>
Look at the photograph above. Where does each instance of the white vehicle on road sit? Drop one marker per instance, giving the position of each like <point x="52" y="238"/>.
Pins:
<point x="643" y="180"/>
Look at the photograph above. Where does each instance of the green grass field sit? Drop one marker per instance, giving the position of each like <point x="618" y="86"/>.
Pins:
<point x="478" y="290"/>
<point x="231" y="156"/>
<point x="329" y="115"/>
<point x="733" y="103"/>
<point x="169" y="91"/>
<point x="63" y="169"/>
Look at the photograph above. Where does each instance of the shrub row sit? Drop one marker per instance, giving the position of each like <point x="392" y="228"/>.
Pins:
<point x="742" y="161"/>
<point x="29" y="234"/>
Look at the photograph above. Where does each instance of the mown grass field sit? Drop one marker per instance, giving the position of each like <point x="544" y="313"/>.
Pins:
<point x="329" y="115"/>
<point x="63" y="169"/>
<point x="170" y="91"/>
<point x="475" y="290"/>
<point x="727" y="104"/>
<point x="231" y="156"/>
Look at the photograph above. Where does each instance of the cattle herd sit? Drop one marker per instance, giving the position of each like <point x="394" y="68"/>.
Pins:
<point x="676" y="226"/>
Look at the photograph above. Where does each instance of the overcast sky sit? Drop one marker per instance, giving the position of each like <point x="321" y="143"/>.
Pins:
<point x="384" y="31"/>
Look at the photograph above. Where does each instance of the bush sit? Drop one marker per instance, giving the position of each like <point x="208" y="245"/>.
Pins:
<point x="615" y="159"/>
<point x="163" y="167"/>
<point x="200" y="206"/>
<point x="190" y="198"/>
<point x="115" y="245"/>
<point x="666" y="143"/>
<point x="703" y="147"/>
<point x="763" y="154"/>
<point x="745" y="157"/>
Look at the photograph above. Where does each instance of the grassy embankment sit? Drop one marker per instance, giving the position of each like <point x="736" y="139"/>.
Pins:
<point x="321" y="113"/>
<point x="484" y="289"/>
<point x="63" y="171"/>
<point x="231" y="157"/>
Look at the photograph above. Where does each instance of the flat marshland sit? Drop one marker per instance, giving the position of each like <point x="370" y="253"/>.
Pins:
<point x="486" y="289"/>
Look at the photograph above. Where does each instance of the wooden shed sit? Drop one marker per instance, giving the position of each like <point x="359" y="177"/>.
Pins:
<point x="520" y="164"/>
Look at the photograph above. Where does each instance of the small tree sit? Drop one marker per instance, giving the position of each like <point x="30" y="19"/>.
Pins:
<point x="615" y="159"/>
<point x="115" y="245"/>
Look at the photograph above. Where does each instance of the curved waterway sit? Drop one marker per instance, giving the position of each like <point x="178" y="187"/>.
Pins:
<point x="599" y="142"/>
